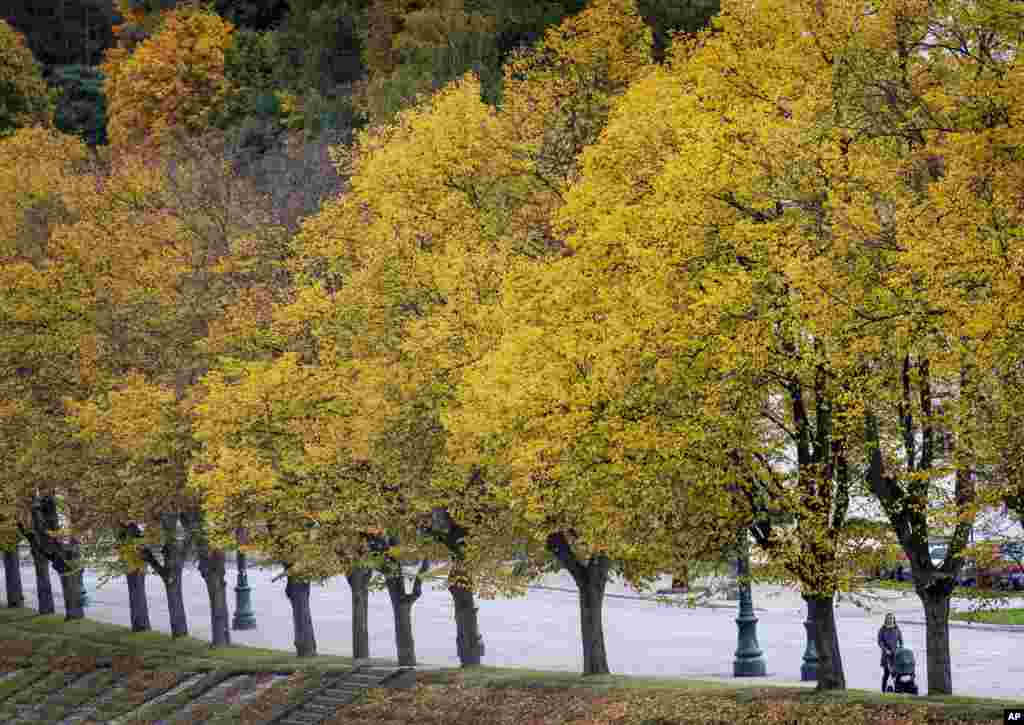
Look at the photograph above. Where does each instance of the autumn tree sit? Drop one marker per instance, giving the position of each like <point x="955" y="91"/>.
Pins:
<point x="47" y="350"/>
<point x="24" y="95"/>
<point x="174" y="80"/>
<point x="259" y="469"/>
<point x="276" y="459"/>
<point x="955" y="104"/>
<point x="418" y="47"/>
<point x="185" y="217"/>
<point x="140" y="20"/>
<point x="419" y="293"/>
<point x="129" y="254"/>
<point x="612" y="311"/>
<point x="556" y="103"/>
<point x="319" y="326"/>
<point x="744" y="227"/>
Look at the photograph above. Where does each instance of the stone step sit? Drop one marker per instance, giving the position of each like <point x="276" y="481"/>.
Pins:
<point x="368" y="680"/>
<point x="343" y="691"/>
<point x="320" y="703"/>
<point x="215" y="695"/>
<point x="303" y="718"/>
<point x="333" y="701"/>
<point x="259" y="685"/>
<point x="379" y="670"/>
<point x="88" y="709"/>
<point x="189" y="679"/>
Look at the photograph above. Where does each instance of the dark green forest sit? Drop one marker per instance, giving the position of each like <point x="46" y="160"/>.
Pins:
<point x="318" y="50"/>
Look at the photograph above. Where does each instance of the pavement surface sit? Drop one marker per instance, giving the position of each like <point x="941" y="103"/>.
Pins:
<point x="643" y="637"/>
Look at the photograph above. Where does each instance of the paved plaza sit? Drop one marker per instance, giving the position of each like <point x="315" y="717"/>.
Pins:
<point x="541" y="631"/>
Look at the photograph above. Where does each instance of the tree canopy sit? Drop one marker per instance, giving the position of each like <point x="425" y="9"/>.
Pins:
<point x="172" y="80"/>
<point x="24" y="95"/>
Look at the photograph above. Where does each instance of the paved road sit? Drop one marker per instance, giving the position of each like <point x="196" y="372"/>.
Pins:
<point x="542" y="631"/>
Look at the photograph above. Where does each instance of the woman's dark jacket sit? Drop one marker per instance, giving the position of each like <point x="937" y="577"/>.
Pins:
<point x="890" y="639"/>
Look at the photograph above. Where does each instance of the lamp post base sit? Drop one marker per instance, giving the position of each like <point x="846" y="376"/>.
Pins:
<point x="809" y="668"/>
<point x="749" y="668"/>
<point x="749" y="660"/>
<point x="244" y="617"/>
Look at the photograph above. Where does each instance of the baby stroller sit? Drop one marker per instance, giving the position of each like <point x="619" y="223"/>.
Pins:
<point x="901" y="665"/>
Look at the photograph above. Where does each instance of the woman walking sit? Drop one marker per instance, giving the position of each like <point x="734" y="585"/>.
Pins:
<point x="890" y="639"/>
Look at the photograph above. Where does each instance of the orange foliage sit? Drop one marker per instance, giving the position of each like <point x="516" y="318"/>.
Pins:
<point x="173" y="80"/>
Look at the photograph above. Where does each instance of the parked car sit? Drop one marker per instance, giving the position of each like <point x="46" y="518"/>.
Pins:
<point x="1010" y="574"/>
<point x="968" y="576"/>
<point x="1001" y="566"/>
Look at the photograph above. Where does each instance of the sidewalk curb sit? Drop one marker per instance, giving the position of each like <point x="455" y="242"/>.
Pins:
<point x="972" y="625"/>
<point x="716" y="605"/>
<point x="637" y="597"/>
<point x="641" y="597"/>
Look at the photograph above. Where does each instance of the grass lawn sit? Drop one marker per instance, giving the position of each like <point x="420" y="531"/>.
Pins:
<point x="57" y="668"/>
<point x="958" y="593"/>
<point x="999" y="616"/>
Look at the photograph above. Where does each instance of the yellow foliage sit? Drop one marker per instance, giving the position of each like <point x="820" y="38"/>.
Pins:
<point x="446" y="203"/>
<point x="25" y="99"/>
<point x="172" y="82"/>
<point x="749" y="270"/>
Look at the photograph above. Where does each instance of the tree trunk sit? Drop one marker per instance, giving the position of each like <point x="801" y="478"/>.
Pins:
<point x="176" y="602"/>
<point x="64" y="555"/>
<point x="595" y="657"/>
<point x="175" y="553"/>
<point x="401" y="606"/>
<point x="935" y="599"/>
<point x="591" y="581"/>
<point x="212" y="567"/>
<point x="402" y="609"/>
<point x="137" y="602"/>
<point x="12" y="579"/>
<point x="826" y="641"/>
<point x="44" y="587"/>
<point x="359" y="583"/>
<point x="71" y="583"/>
<point x="297" y="592"/>
<point x="681" y="579"/>
<point x="468" y="642"/>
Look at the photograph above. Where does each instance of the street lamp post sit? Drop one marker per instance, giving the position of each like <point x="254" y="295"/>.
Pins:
<point x="749" y="660"/>
<point x="244" y="617"/>
<point x="809" y="668"/>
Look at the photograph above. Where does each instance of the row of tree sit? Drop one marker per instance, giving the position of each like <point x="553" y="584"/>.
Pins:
<point x="640" y="306"/>
<point x="340" y="63"/>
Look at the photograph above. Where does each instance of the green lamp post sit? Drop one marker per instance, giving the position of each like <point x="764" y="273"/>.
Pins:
<point x="749" y="660"/>
<point x="86" y="600"/>
<point x="809" y="668"/>
<point x="244" y="617"/>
